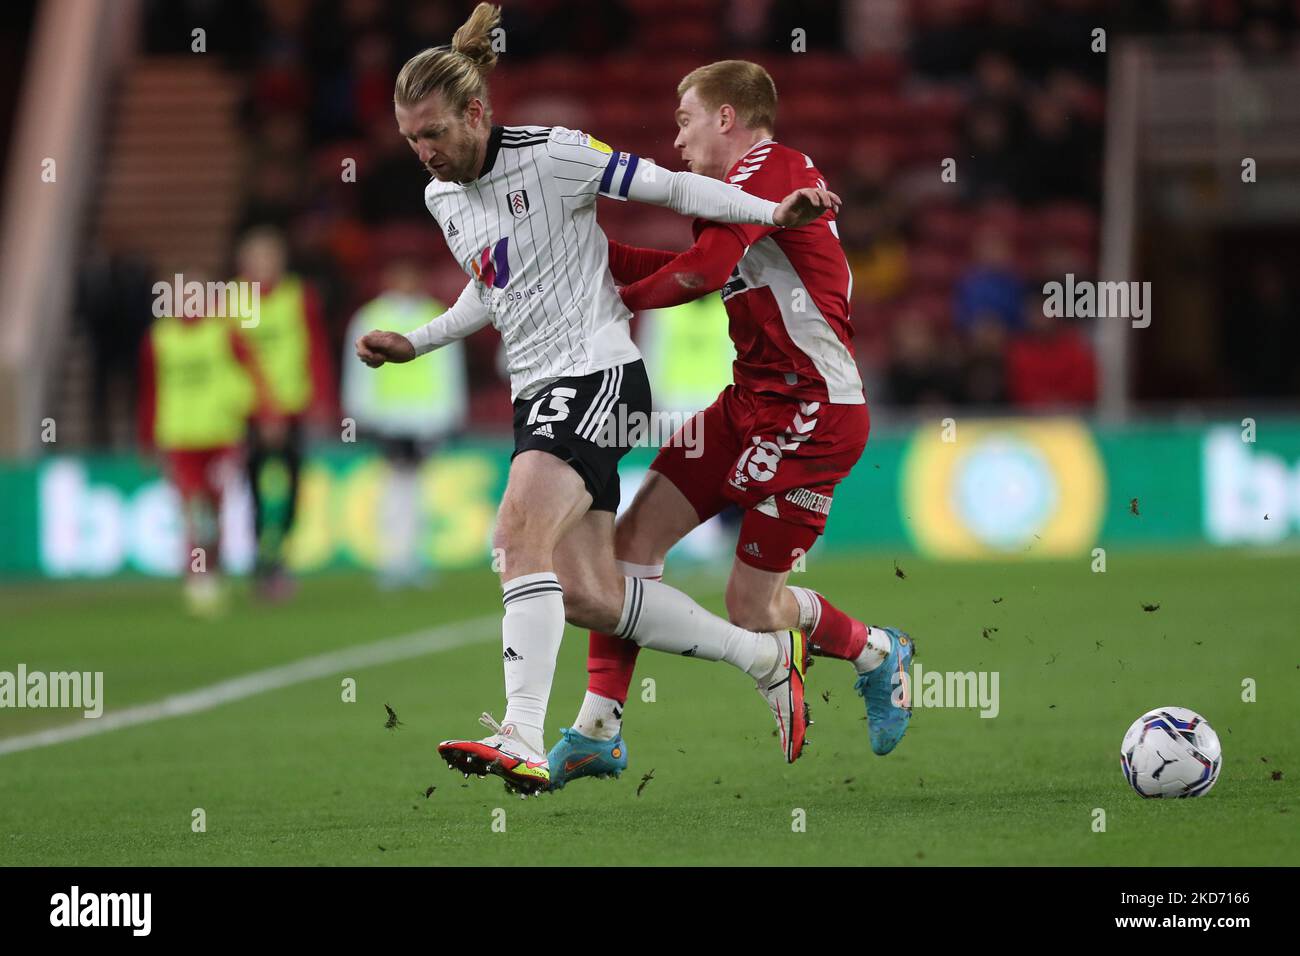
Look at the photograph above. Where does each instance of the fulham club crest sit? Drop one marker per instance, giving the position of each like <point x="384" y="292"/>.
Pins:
<point x="518" y="202"/>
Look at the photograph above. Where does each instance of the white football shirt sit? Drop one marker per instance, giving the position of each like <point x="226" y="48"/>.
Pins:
<point x="526" y="231"/>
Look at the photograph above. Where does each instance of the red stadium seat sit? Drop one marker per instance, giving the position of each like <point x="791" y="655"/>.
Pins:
<point x="945" y="226"/>
<point x="699" y="37"/>
<point x="1070" y="222"/>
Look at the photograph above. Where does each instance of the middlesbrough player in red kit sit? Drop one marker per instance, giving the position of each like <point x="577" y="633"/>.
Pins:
<point x="775" y="443"/>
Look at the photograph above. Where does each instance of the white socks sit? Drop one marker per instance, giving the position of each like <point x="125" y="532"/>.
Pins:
<point x="874" y="651"/>
<point x="601" y="718"/>
<point x="530" y="639"/>
<point x="663" y="618"/>
<point x="810" y="609"/>
<point x="401" y="514"/>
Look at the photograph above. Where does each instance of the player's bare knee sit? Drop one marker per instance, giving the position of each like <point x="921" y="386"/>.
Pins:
<point x="581" y="608"/>
<point x="510" y="527"/>
<point x="639" y="552"/>
<point x="644" y="536"/>
<point x="744" y="611"/>
<point x="591" y="603"/>
<point x="634" y="540"/>
<point x="520" y="542"/>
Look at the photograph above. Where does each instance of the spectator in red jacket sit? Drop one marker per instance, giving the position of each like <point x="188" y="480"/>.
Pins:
<point x="1050" y="364"/>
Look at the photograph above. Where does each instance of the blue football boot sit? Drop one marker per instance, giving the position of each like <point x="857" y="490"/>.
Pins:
<point x="888" y="693"/>
<point x="577" y="756"/>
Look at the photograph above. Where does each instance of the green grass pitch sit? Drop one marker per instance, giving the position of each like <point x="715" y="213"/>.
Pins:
<point x="297" y="776"/>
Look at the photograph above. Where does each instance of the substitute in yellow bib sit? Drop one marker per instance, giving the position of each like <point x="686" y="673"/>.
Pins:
<point x="288" y="337"/>
<point x="408" y="409"/>
<point x="199" y="385"/>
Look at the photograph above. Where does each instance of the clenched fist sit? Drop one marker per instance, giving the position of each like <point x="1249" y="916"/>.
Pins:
<point x="375" y="348"/>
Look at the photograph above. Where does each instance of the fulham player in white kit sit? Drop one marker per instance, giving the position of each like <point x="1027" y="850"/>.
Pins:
<point x="517" y="207"/>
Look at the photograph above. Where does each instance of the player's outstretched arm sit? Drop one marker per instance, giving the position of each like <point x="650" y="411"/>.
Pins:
<point x="628" y="264"/>
<point x="701" y="269"/>
<point x="466" y="317"/>
<point x="693" y="195"/>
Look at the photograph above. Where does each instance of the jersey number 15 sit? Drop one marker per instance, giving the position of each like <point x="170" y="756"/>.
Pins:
<point x="557" y="403"/>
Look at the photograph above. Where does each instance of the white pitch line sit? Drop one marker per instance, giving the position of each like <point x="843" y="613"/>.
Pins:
<point x="401" y="648"/>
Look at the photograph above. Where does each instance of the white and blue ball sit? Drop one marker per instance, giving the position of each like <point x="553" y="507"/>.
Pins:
<point x="1171" y="752"/>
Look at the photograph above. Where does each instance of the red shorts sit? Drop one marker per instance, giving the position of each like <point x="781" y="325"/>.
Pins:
<point x="199" y="471"/>
<point x="777" y="458"/>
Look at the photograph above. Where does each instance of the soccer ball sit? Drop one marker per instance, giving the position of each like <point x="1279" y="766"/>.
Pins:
<point x="1171" y="752"/>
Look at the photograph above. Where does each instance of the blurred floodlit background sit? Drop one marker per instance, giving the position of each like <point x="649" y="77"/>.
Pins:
<point x="1154" y="142"/>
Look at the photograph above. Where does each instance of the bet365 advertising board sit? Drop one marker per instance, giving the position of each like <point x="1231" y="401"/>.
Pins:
<point x="1013" y="489"/>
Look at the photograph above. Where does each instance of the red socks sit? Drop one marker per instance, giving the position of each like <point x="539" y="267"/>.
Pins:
<point x="610" y="662"/>
<point x="832" y="632"/>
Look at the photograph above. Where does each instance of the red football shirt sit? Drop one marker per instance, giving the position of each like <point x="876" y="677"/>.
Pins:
<point x="788" y="298"/>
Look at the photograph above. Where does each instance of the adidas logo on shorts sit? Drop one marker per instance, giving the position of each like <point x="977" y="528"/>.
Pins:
<point x="544" y="431"/>
<point x="752" y="548"/>
<point x="510" y="654"/>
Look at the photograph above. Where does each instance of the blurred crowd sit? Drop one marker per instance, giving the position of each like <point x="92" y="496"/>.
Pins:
<point x="965" y="137"/>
